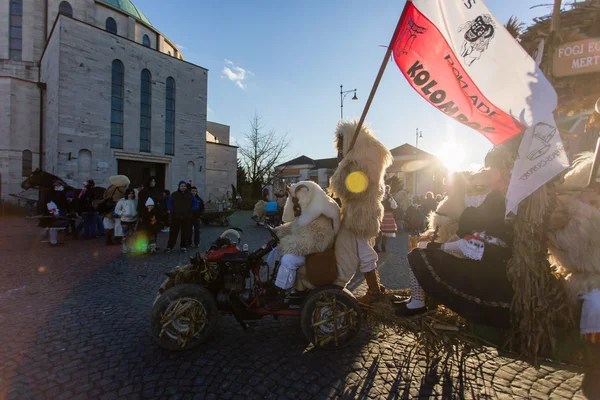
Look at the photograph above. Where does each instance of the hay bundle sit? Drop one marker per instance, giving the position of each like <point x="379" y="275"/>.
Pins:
<point x="438" y="331"/>
<point x="539" y="306"/>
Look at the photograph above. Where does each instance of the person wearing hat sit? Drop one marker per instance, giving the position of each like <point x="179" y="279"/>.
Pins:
<point x="181" y="204"/>
<point x="54" y="214"/>
<point x="112" y="195"/>
<point x="150" y="224"/>
<point x="126" y="209"/>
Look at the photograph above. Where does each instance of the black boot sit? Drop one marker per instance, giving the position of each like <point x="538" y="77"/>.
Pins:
<point x="402" y="310"/>
<point x="277" y="302"/>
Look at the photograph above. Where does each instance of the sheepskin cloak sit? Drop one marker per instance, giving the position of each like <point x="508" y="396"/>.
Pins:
<point x="361" y="212"/>
<point x="314" y="230"/>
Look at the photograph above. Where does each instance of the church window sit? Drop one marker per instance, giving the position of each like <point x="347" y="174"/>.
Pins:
<point x="65" y="8"/>
<point x="111" y="25"/>
<point x="116" y="105"/>
<point x="145" y="110"/>
<point x="170" y="117"/>
<point x="27" y="163"/>
<point x="15" y="48"/>
<point x="146" y="41"/>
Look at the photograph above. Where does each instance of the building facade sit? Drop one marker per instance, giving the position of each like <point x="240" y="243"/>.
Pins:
<point x="90" y="89"/>
<point x="304" y="168"/>
<point x="221" y="162"/>
<point x="418" y="171"/>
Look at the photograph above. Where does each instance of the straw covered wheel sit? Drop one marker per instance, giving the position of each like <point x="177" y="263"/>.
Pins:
<point x="184" y="317"/>
<point x="331" y="317"/>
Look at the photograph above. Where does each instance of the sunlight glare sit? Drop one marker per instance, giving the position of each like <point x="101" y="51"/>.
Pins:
<point x="452" y="155"/>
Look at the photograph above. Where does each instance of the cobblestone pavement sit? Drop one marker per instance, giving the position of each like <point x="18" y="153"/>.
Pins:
<point x="74" y="323"/>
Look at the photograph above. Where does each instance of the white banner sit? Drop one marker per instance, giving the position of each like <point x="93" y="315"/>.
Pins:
<point x="508" y="78"/>
<point x="542" y="156"/>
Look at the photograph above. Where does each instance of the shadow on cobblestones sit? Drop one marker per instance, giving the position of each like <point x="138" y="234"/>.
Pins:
<point x="81" y="330"/>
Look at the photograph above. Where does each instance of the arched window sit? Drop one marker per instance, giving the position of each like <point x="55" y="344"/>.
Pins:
<point x="65" y="8"/>
<point x="191" y="171"/>
<point x="170" y="117"/>
<point x="111" y="25"/>
<point x="116" y="105"/>
<point x="146" y="41"/>
<point x="169" y="52"/>
<point x="27" y="163"/>
<point x="84" y="165"/>
<point x="15" y="46"/>
<point x="145" y="110"/>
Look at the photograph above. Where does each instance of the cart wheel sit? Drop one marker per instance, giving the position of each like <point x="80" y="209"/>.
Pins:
<point x="331" y="317"/>
<point x="183" y="317"/>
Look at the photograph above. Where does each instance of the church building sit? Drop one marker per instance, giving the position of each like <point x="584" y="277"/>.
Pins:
<point x="90" y="89"/>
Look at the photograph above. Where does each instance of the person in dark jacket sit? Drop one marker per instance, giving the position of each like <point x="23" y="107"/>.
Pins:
<point x="196" y="217"/>
<point x="86" y="209"/>
<point x="429" y="204"/>
<point x="165" y="213"/>
<point x="71" y="212"/>
<point x="150" y="224"/>
<point x="54" y="211"/>
<point x="149" y="191"/>
<point x="181" y="204"/>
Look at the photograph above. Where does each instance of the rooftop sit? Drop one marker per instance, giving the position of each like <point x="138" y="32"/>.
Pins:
<point x="409" y="150"/>
<point x="129" y="8"/>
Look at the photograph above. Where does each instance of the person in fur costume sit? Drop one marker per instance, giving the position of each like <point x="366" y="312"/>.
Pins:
<point x="311" y="220"/>
<point x="574" y="243"/>
<point x="574" y="230"/>
<point x="358" y="182"/>
<point x="258" y="214"/>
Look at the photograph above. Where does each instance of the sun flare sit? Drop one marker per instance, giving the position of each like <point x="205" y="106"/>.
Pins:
<point x="451" y="155"/>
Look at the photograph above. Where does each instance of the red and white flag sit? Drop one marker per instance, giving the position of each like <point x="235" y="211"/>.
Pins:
<point x="463" y="61"/>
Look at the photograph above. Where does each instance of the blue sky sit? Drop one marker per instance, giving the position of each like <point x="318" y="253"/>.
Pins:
<point x="286" y="60"/>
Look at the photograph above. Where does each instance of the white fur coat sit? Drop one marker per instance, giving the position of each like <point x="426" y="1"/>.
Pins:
<point x="315" y="229"/>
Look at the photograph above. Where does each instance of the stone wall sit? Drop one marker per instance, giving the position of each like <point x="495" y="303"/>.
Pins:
<point x="19" y="131"/>
<point x="221" y="169"/>
<point x="219" y="130"/>
<point x="85" y="59"/>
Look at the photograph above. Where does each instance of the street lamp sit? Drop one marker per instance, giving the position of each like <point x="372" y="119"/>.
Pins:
<point x="343" y="96"/>
<point x="419" y="135"/>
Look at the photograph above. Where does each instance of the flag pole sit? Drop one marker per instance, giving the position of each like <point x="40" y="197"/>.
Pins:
<point x="388" y="53"/>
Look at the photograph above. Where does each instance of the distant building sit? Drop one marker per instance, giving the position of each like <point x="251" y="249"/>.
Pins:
<point x="221" y="161"/>
<point x="419" y="171"/>
<point x="305" y="168"/>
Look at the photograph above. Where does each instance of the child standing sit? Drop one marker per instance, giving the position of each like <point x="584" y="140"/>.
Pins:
<point x="127" y="209"/>
<point x="150" y="223"/>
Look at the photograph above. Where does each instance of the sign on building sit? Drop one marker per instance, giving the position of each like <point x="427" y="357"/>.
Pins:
<point x="577" y="58"/>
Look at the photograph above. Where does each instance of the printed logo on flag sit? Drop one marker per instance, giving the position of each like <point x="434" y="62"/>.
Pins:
<point x="409" y="35"/>
<point x="479" y="33"/>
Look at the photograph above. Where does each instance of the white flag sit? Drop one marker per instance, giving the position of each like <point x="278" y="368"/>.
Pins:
<point x="542" y="156"/>
<point x="459" y="57"/>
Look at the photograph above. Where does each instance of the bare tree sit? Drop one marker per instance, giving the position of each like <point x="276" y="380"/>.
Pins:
<point x="260" y="154"/>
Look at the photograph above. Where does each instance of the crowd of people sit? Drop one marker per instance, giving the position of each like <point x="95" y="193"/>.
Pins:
<point x="404" y="213"/>
<point x="126" y="214"/>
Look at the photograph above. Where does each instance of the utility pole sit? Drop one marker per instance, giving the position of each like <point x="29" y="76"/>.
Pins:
<point x="419" y="135"/>
<point x="555" y="23"/>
